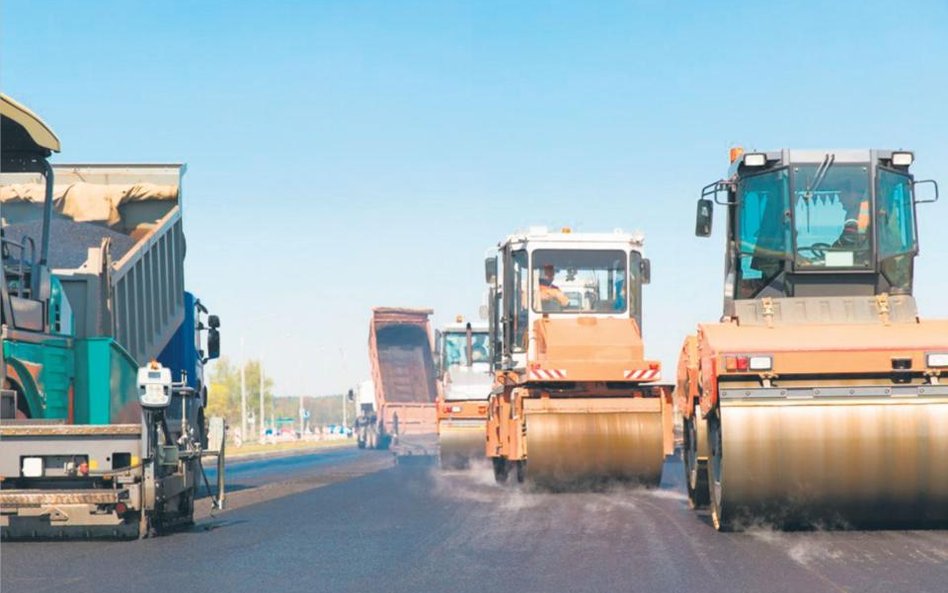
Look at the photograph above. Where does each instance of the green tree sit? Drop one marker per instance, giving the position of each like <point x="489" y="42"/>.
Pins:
<point x="224" y="390"/>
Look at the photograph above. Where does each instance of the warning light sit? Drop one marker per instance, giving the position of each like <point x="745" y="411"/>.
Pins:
<point x="566" y="230"/>
<point x="736" y="153"/>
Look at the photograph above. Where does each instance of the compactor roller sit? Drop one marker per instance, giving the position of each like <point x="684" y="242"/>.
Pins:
<point x="575" y="403"/>
<point x="821" y="398"/>
<point x="463" y="356"/>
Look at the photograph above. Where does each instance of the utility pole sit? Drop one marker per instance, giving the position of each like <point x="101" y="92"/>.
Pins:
<point x="302" y="417"/>
<point x="261" y="392"/>
<point x="243" y="396"/>
<point x="345" y="420"/>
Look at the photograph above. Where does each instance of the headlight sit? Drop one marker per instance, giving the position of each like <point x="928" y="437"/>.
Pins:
<point x="937" y="361"/>
<point x="902" y="159"/>
<point x="755" y="159"/>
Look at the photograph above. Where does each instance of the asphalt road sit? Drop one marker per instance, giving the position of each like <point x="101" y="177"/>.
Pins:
<point x="412" y="528"/>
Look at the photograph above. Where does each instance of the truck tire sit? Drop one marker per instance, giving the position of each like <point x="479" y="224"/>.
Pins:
<point x="501" y="469"/>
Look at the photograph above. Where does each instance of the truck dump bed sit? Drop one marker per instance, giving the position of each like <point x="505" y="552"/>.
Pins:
<point x="117" y="230"/>
<point x="400" y="353"/>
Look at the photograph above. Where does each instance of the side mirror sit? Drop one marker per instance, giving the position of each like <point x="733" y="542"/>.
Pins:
<point x="645" y="271"/>
<point x="214" y="321"/>
<point x="213" y="342"/>
<point x="490" y="270"/>
<point x="437" y="342"/>
<point x="350" y="396"/>
<point x="704" y="218"/>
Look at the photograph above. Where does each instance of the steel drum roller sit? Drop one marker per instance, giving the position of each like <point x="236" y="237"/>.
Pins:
<point x="461" y="441"/>
<point x="573" y="448"/>
<point x="868" y="462"/>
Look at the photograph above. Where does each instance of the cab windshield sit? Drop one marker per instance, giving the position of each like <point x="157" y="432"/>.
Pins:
<point x="832" y="217"/>
<point x="828" y="222"/>
<point x="580" y="281"/>
<point x="455" y="348"/>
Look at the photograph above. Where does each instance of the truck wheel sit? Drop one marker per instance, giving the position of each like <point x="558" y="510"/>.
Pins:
<point x="521" y="470"/>
<point x="501" y="469"/>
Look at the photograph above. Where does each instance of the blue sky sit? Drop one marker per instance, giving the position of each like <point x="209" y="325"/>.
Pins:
<point x="349" y="154"/>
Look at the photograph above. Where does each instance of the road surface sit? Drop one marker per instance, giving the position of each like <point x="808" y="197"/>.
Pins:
<point x="348" y="520"/>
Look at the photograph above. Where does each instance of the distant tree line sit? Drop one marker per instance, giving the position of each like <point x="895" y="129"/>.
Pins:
<point x="224" y="398"/>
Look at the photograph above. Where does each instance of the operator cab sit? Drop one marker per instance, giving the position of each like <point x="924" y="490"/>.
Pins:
<point x="565" y="275"/>
<point x="813" y="223"/>
<point x="24" y="276"/>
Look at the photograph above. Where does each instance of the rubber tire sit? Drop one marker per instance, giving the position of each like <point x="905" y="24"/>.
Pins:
<point x="520" y="469"/>
<point x="696" y="472"/>
<point x="501" y="469"/>
<point x="715" y="486"/>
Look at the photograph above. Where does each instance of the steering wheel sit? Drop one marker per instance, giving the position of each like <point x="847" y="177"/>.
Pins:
<point x="817" y="249"/>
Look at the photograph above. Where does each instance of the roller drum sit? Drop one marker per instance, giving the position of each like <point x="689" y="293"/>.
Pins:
<point x="577" y="449"/>
<point x="460" y="443"/>
<point x="836" y="463"/>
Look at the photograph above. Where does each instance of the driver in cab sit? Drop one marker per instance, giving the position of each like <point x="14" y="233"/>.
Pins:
<point x="856" y="227"/>
<point x="551" y="297"/>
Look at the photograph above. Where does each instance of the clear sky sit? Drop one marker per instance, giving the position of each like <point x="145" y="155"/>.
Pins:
<point x="356" y="153"/>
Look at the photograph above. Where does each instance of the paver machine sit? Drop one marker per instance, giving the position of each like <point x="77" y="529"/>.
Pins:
<point x="818" y="397"/>
<point x="462" y="350"/>
<point x="102" y="426"/>
<point x="575" y="402"/>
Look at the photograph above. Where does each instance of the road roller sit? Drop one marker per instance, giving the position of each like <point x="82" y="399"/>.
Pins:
<point x="575" y="403"/>
<point x="463" y="356"/>
<point x="820" y="398"/>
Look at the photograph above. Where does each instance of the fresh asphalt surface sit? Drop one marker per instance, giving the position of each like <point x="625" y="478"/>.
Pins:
<point x="412" y="528"/>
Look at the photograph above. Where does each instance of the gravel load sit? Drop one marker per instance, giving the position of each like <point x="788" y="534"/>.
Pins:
<point x="69" y="240"/>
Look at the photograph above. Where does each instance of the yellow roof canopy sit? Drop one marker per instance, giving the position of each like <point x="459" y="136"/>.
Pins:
<point x="23" y="130"/>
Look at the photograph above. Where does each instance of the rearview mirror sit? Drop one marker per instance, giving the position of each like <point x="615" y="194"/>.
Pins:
<point x="704" y="218"/>
<point x="214" y="321"/>
<point x="490" y="269"/>
<point x="350" y="396"/>
<point x="213" y="343"/>
<point x="645" y="271"/>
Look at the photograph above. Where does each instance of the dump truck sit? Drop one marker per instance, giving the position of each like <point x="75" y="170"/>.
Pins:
<point x="462" y="351"/>
<point x="575" y="402"/>
<point x="102" y="428"/>
<point x="817" y="398"/>
<point x="403" y="375"/>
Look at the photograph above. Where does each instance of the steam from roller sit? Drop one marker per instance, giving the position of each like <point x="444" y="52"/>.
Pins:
<point x="566" y="450"/>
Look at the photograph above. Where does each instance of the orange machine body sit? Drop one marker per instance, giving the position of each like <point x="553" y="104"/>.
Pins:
<point x="820" y="397"/>
<point x="574" y="398"/>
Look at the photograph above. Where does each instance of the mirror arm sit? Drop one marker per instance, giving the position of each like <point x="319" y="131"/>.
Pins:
<point x="933" y="183"/>
<point x="713" y="189"/>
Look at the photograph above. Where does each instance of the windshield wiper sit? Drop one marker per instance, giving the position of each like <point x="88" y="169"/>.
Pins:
<point x="815" y="184"/>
